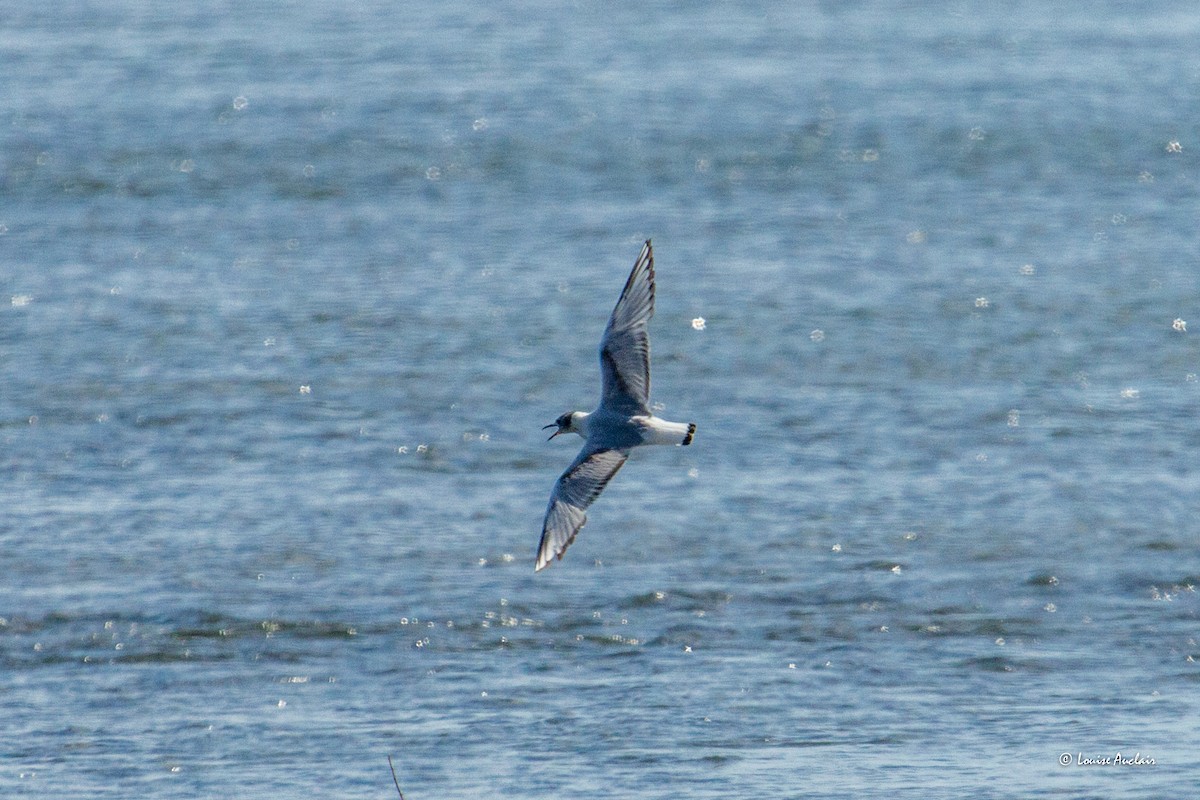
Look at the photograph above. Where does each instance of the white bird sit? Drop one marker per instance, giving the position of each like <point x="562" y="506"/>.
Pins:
<point x="621" y="422"/>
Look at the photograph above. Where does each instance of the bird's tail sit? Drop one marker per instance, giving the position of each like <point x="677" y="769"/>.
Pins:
<point x="691" y="433"/>
<point x="659" y="431"/>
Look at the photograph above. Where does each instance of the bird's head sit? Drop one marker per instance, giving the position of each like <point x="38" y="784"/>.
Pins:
<point x="565" y="424"/>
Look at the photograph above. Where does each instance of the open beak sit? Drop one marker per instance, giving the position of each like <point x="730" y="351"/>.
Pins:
<point x="552" y="425"/>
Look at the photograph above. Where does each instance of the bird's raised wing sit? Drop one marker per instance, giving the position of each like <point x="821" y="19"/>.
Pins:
<point x="574" y="491"/>
<point x="625" y="347"/>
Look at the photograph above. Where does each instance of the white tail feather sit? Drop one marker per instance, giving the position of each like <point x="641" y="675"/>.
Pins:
<point x="659" y="431"/>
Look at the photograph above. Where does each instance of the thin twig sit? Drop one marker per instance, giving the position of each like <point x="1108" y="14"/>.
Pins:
<point x="395" y="780"/>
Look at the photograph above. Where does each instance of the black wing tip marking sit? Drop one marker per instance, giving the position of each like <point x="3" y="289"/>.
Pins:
<point x="646" y="258"/>
<point x="691" y="434"/>
<point x="649" y="252"/>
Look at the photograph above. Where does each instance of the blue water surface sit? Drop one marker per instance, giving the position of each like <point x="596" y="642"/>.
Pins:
<point x="287" y="291"/>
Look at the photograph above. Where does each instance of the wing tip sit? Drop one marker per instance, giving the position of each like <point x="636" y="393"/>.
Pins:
<point x="545" y="557"/>
<point x="691" y="434"/>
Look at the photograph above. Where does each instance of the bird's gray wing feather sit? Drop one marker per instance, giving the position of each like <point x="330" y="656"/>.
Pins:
<point x="625" y="346"/>
<point x="574" y="491"/>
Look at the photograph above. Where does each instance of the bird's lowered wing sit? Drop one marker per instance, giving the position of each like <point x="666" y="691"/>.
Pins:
<point x="574" y="491"/>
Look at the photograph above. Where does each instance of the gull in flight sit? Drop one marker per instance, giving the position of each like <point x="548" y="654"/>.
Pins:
<point x="621" y="422"/>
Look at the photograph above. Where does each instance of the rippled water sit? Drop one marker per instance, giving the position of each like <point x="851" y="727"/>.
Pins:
<point x="289" y="292"/>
